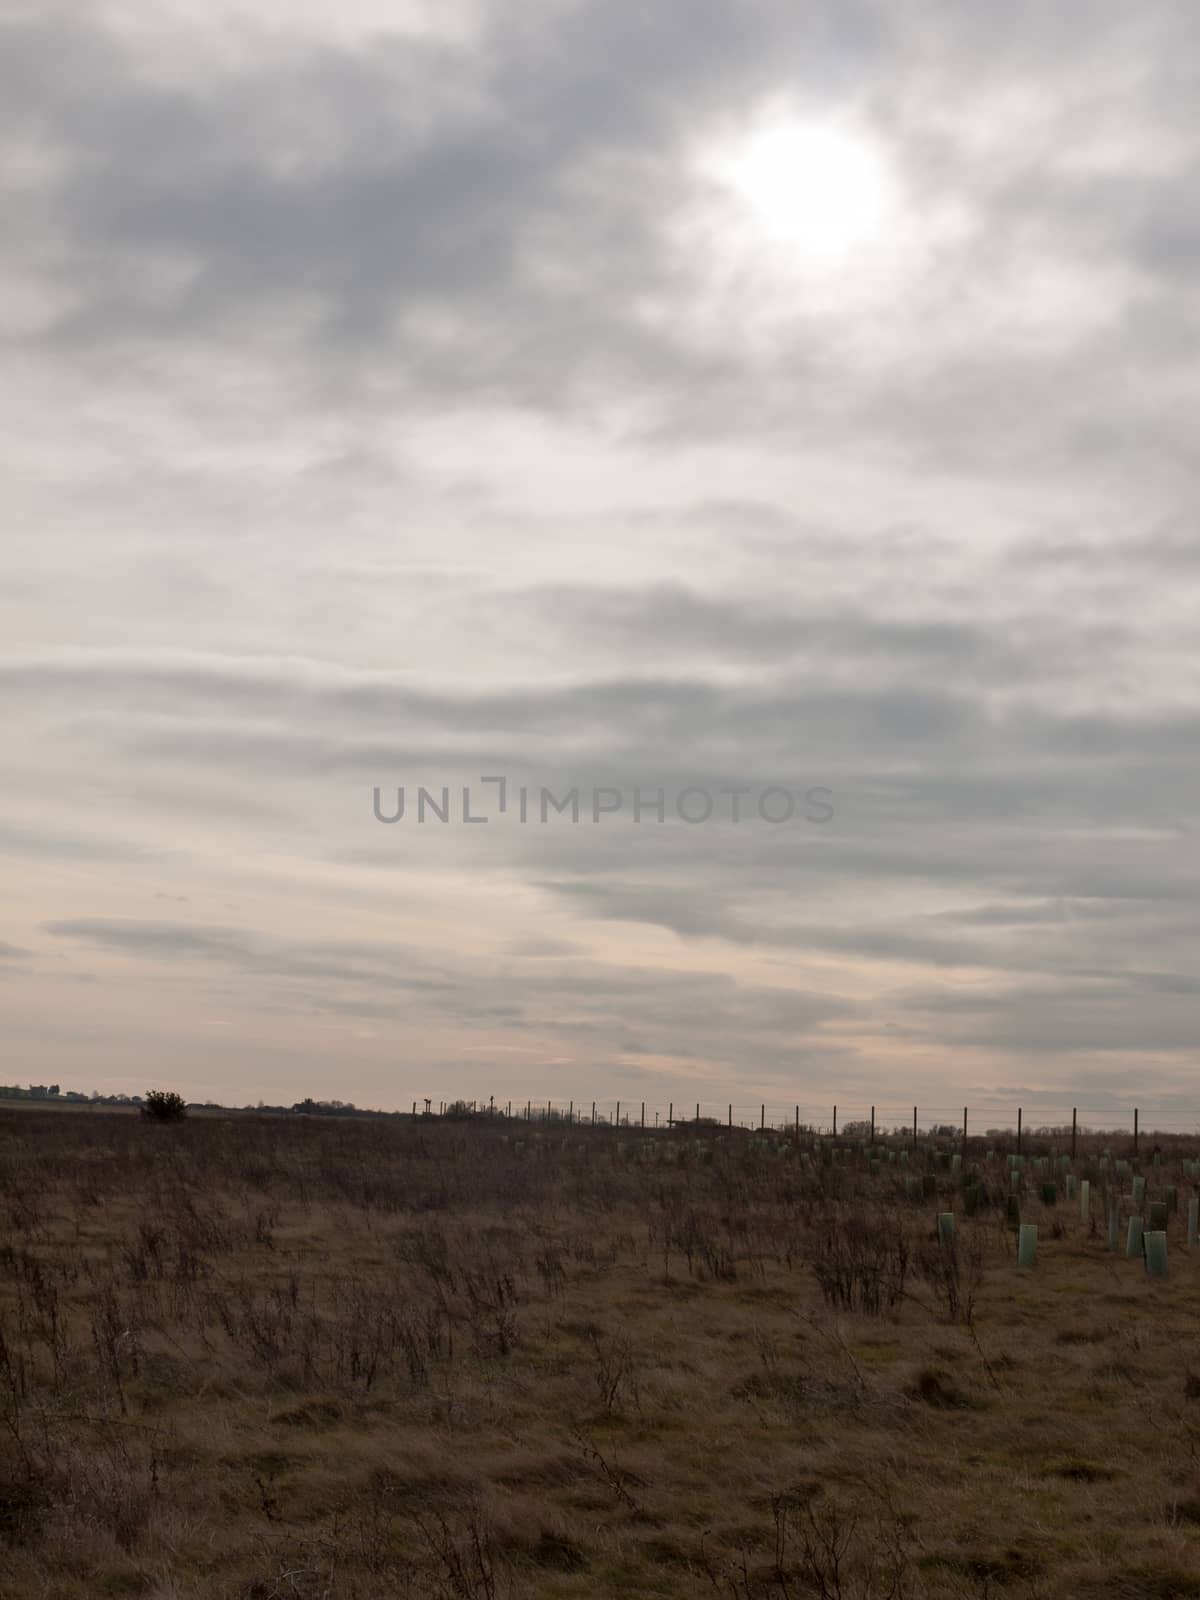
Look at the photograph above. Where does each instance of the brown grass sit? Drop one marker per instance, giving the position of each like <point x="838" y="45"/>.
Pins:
<point x="260" y="1358"/>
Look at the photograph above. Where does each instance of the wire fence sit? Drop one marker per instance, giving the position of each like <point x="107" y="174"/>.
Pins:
<point x="854" y="1120"/>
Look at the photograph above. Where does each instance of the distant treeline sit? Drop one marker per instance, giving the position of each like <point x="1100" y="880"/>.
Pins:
<point x="51" y="1091"/>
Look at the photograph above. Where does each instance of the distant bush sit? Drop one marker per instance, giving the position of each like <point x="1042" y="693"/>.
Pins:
<point x="464" y="1110"/>
<point x="315" y="1108"/>
<point x="164" y="1105"/>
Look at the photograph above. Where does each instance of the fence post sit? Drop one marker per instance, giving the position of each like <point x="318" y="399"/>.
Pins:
<point x="643" y="1113"/>
<point x="671" y="1115"/>
<point x="1018" y="1130"/>
<point x="872" y="1124"/>
<point x="762" y="1118"/>
<point x="697" y="1111"/>
<point x="731" y="1114"/>
<point x="1074" y="1129"/>
<point x="964" y="1124"/>
<point x="618" y="1113"/>
<point x="914" y="1125"/>
<point x="835" y="1122"/>
<point x="797" y="1119"/>
<point x="1135" y="1130"/>
<point x="593" y="1113"/>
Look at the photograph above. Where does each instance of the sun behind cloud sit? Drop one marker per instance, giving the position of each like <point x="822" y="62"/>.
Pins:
<point x="813" y="191"/>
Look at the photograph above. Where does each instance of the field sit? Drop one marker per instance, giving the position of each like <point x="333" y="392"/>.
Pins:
<point x="294" y="1358"/>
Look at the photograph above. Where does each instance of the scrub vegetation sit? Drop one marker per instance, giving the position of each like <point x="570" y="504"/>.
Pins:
<point x="298" y="1358"/>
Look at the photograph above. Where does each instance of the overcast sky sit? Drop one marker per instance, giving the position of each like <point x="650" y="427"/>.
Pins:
<point x="611" y="395"/>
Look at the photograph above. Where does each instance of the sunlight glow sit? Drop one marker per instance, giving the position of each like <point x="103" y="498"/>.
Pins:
<point x="816" y="191"/>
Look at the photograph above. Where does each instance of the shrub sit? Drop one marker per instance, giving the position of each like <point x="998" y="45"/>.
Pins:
<point x="861" y="1263"/>
<point x="164" y="1105"/>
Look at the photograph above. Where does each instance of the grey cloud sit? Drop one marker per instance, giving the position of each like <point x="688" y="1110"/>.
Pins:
<point x="1037" y="817"/>
<point x="1030" y="913"/>
<point x="455" y="213"/>
<point x="1096" y="1018"/>
<point x="671" y="618"/>
<point x="25" y="841"/>
<point x="171" y="941"/>
<point x="452" y="210"/>
<point x="936" y="554"/>
<point x="576" y="999"/>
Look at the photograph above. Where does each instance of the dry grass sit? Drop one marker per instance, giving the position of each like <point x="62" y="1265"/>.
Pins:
<point x="298" y="1359"/>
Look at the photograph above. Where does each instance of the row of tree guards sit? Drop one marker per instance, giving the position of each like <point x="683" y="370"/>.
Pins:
<point x="1145" y="1236"/>
<point x="531" y="1113"/>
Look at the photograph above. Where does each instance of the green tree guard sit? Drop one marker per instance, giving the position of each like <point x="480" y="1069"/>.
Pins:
<point x="1114" y="1226"/>
<point x="1155" y="1242"/>
<point x="1193" y="1222"/>
<point x="1014" y="1211"/>
<point x="1139" y="1191"/>
<point x="945" y="1228"/>
<point x="1027" y="1245"/>
<point x="1085" y="1201"/>
<point x="1133" y="1240"/>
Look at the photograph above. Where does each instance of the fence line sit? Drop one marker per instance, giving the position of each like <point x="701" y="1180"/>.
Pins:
<point x="856" y="1121"/>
